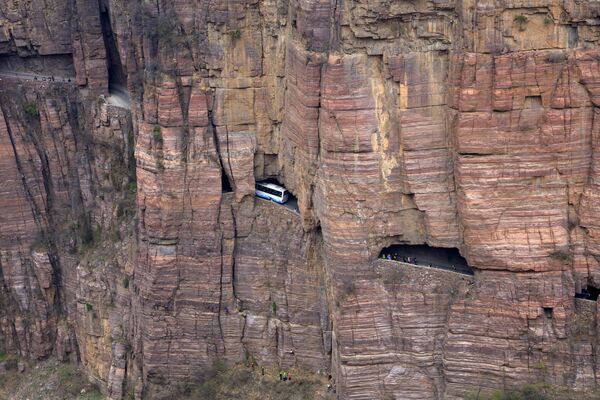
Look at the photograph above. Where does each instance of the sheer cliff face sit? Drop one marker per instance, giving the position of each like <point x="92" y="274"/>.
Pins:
<point x="466" y="124"/>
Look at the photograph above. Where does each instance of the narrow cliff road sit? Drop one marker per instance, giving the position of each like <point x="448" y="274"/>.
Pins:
<point x="291" y="204"/>
<point x="118" y="95"/>
<point x="35" y="77"/>
<point x="428" y="257"/>
<point x="456" y="270"/>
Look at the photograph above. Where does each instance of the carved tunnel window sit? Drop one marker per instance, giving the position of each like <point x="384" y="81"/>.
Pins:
<point x="548" y="311"/>
<point x="436" y="257"/>
<point x="588" y="293"/>
<point x="225" y="184"/>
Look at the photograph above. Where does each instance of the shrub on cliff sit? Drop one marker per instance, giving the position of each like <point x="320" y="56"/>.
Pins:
<point x="561" y="256"/>
<point x="521" y="20"/>
<point x="249" y="383"/>
<point x="31" y="109"/>
<point x="235" y="34"/>
<point x="157" y="134"/>
<point x="535" y="391"/>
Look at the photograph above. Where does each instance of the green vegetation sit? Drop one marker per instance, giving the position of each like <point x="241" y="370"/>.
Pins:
<point x="40" y="243"/>
<point x="249" y="359"/>
<point x="540" y="366"/>
<point x="246" y="382"/>
<point x="48" y="380"/>
<point x="521" y="20"/>
<point x="31" y="109"/>
<point x="528" y="392"/>
<point x="536" y="391"/>
<point x="93" y="395"/>
<point x="274" y="307"/>
<point x="167" y="27"/>
<point x="235" y="34"/>
<point x="126" y="282"/>
<point x="168" y="30"/>
<point x="160" y="165"/>
<point x="118" y="173"/>
<point x="561" y="256"/>
<point x="89" y="237"/>
<point x="88" y="307"/>
<point x="548" y="20"/>
<point x="157" y="134"/>
<point x="3" y="356"/>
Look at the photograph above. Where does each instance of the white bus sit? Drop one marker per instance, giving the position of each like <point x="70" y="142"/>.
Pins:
<point x="270" y="191"/>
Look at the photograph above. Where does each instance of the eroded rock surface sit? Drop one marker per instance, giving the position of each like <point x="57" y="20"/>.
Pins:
<point x="131" y="241"/>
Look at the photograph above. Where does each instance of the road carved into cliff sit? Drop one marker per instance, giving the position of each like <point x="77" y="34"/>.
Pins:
<point x="434" y="267"/>
<point x="118" y="96"/>
<point x="291" y="204"/>
<point x="37" y="78"/>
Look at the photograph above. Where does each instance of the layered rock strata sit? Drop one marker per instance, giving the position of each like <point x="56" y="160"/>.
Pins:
<point x="131" y="241"/>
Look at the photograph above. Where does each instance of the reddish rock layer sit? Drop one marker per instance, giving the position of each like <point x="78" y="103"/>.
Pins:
<point x="470" y="125"/>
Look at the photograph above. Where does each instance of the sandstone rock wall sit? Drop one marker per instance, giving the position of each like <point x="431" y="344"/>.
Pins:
<point x="464" y="124"/>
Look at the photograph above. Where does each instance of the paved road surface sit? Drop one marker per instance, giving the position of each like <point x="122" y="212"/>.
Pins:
<point x="118" y="95"/>
<point x="440" y="258"/>
<point x="118" y="101"/>
<point x="291" y="204"/>
<point x="39" y="78"/>
<point x="442" y="267"/>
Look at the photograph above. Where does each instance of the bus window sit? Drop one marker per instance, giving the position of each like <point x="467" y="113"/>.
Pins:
<point x="272" y="191"/>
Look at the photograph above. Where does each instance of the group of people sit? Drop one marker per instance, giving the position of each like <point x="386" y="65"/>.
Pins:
<point x="394" y="257"/>
<point x="51" y="78"/>
<point x="285" y="376"/>
<point x="411" y="260"/>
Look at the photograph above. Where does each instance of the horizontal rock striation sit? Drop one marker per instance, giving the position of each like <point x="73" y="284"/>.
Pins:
<point x="131" y="240"/>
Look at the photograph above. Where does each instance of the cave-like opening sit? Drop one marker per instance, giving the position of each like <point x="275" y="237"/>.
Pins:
<point x="588" y="293"/>
<point x="291" y="202"/>
<point x="428" y="256"/>
<point x="226" y="186"/>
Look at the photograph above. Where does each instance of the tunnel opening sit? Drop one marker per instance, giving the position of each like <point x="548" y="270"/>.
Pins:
<point x="548" y="311"/>
<point x="291" y="202"/>
<point x="435" y="257"/>
<point x="117" y="79"/>
<point x="588" y="293"/>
